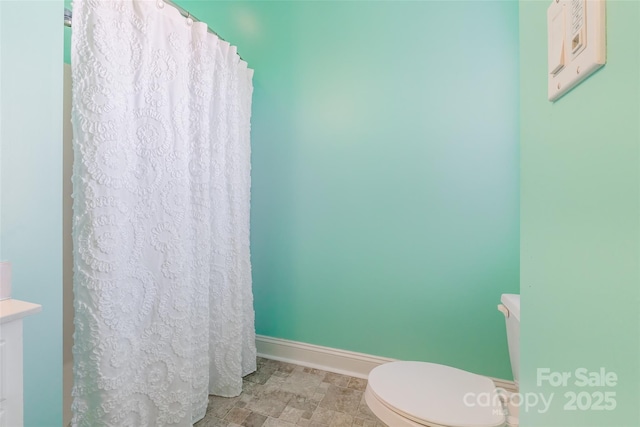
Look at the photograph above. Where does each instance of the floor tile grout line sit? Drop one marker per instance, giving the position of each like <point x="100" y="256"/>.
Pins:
<point x="277" y="388"/>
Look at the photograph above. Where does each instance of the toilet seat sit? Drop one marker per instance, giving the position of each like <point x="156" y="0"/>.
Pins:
<point x="427" y="394"/>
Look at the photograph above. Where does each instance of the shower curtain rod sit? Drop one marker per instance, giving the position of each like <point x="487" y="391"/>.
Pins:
<point x="68" y="16"/>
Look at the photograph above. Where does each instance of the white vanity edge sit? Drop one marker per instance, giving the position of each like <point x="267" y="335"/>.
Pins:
<point x="12" y="309"/>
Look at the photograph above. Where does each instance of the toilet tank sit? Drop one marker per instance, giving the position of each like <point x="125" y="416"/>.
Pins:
<point x="511" y="302"/>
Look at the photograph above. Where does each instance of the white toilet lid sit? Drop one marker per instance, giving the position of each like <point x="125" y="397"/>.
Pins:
<point x="428" y="393"/>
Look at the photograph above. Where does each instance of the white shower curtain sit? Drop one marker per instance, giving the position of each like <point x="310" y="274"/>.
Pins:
<point x="162" y="276"/>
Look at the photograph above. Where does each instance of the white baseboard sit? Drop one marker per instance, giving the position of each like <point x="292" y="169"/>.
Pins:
<point x="314" y="356"/>
<point x="331" y="359"/>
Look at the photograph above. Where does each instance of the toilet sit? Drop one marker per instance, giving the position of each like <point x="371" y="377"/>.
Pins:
<point x="422" y="394"/>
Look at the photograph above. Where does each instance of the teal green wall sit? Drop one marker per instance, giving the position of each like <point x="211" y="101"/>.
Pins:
<point x="385" y="173"/>
<point x="31" y="189"/>
<point x="67" y="36"/>
<point x="580" y="221"/>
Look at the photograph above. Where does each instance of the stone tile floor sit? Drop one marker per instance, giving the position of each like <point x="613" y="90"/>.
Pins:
<point x="279" y="394"/>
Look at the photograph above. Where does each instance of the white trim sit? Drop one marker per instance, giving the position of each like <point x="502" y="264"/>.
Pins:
<point x="314" y="356"/>
<point x="331" y="359"/>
